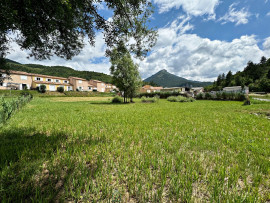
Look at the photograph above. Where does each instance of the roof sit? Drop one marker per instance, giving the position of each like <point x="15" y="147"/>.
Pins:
<point x="173" y="87"/>
<point x="33" y="74"/>
<point x="234" y="87"/>
<point x="98" y="81"/>
<point x="151" y="87"/>
<point x="77" y="78"/>
<point x="17" y="72"/>
<point x="197" y="88"/>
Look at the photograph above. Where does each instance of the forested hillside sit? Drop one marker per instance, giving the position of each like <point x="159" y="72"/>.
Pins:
<point x="255" y="76"/>
<point x="60" y="71"/>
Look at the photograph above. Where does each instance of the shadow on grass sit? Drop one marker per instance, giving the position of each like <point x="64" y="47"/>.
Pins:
<point x="28" y="170"/>
<point x="109" y="103"/>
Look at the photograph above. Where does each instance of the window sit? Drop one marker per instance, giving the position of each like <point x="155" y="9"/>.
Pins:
<point x="56" y="80"/>
<point x="80" y="81"/>
<point x="89" y="88"/>
<point x="38" y="79"/>
<point x="1" y="75"/>
<point x="23" y="77"/>
<point x="49" y="80"/>
<point x="65" y="81"/>
<point x="1" y="84"/>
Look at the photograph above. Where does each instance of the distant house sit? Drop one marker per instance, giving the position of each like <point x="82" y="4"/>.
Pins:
<point x="174" y="89"/>
<point x="110" y="87"/>
<point x="236" y="89"/>
<point x="98" y="85"/>
<point x="196" y="90"/>
<point x="150" y="89"/>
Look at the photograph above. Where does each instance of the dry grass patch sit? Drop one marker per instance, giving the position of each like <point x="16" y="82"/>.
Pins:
<point x="80" y="99"/>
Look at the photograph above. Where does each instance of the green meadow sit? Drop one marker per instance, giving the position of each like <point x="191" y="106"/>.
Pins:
<point x="90" y="150"/>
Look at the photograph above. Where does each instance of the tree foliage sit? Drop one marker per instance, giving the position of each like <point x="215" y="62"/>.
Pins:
<point x="124" y="72"/>
<point x="255" y="76"/>
<point x="59" y="27"/>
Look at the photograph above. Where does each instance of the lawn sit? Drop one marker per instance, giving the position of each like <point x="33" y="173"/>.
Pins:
<point x="83" y="150"/>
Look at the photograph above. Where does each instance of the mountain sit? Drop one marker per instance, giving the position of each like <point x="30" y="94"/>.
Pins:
<point x="166" y="79"/>
<point x="60" y="71"/>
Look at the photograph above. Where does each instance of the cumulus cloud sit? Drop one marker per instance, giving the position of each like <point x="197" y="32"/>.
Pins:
<point x="266" y="46"/>
<point x="86" y="60"/>
<point x="236" y="16"/>
<point x="197" y="58"/>
<point x="194" y="7"/>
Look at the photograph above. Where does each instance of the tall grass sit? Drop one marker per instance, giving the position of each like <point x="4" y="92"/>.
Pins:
<point x="200" y="151"/>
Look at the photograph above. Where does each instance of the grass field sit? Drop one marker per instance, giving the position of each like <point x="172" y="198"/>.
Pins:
<point x="83" y="150"/>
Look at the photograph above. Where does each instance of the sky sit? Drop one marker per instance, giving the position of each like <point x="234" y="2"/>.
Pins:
<point x="197" y="40"/>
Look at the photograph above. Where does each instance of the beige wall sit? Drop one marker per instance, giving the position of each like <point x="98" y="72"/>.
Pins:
<point x="81" y="85"/>
<point x="100" y="86"/>
<point x="17" y="81"/>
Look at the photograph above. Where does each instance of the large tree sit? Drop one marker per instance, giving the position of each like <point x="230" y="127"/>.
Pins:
<point x="124" y="72"/>
<point x="58" y="27"/>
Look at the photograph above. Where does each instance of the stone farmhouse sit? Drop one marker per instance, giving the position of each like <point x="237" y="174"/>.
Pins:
<point x="23" y="80"/>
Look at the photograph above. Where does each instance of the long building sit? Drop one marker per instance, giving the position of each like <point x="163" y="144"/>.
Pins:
<point x="23" y="80"/>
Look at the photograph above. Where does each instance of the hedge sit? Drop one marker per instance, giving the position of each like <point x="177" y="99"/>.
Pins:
<point x="221" y="96"/>
<point x="161" y="95"/>
<point x="7" y="108"/>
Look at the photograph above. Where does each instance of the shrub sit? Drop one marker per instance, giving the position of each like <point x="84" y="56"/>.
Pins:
<point x="199" y="96"/>
<point x="60" y="89"/>
<point x="42" y="88"/>
<point x="218" y="96"/>
<point x="208" y="96"/>
<point x="247" y="101"/>
<point x="150" y="100"/>
<point x="26" y="93"/>
<point x="117" y="99"/>
<point x="161" y="95"/>
<point x="180" y="99"/>
<point x="172" y="99"/>
<point x="9" y="107"/>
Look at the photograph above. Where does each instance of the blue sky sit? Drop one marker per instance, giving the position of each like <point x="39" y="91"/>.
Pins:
<point x="198" y="39"/>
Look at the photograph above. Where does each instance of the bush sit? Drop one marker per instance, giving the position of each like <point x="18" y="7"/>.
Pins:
<point x="172" y="99"/>
<point x="150" y="99"/>
<point x="26" y="93"/>
<point x="117" y="99"/>
<point x="7" y="108"/>
<point x="199" y="96"/>
<point x="180" y="99"/>
<point x="208" y="96"/>
<point x="60" y="89"/>
<point x="42" y="88"/>
<point x="161" y="95"/>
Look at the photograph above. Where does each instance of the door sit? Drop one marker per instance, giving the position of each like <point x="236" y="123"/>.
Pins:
<point x="24" y="86"/>
<point x="52" y="87"/>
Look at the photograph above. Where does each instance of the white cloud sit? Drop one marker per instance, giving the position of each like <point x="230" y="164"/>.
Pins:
<point x="266" y="45"/>
<point x="268" y="14"/>
<point x="238" y="17"/>
<point x="193" y="57"/>
<point x="84" y="61"/>
<point x="192" y="7"/>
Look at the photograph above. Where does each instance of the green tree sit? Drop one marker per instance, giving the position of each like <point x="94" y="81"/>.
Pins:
<point x="59" y="27"/>
<point x="228" y="79"/>
<point x="263" y="60"/>
<point x="124" y="72"/>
